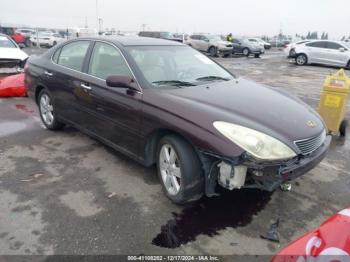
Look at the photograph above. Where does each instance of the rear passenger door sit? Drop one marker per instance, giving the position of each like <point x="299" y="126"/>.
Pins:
<point x="317" y="52"/>
<point x="116" y="111"/>
<point x="63" y="78"/>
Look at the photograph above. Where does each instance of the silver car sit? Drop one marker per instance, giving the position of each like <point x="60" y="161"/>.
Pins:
<point x="212" y="44"/>
<point x="334" y="53"/>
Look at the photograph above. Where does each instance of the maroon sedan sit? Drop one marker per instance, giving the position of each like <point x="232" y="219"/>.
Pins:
<point x="162" y="102"/>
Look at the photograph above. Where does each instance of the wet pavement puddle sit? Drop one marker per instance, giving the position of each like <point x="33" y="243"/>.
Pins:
<point x="229" y="210"/>
<point x="24" y="108"/>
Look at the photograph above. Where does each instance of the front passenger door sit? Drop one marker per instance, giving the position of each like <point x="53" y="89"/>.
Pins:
<point x="116" y="110"/>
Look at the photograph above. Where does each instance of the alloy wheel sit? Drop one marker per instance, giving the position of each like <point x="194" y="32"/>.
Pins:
<point x="301" y="60"/>
<point x="46" y="109"/>
<point x="170" y="170"/>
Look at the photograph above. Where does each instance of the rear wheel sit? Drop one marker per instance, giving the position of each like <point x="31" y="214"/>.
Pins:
<point x="47" y="111"/>
<point x="246" y="52"/>
<point x="257" y="55"/>
<point x="213" y="51"/>
<point x="27" y="42"/>
<point x="301" y="59"/>
<point x="342" y="128"/>
<point x="179" y="170"/>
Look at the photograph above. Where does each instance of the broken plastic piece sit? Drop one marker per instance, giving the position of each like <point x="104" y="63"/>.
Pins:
<point x="286" y="187"/>
<point x="273" y="234"/>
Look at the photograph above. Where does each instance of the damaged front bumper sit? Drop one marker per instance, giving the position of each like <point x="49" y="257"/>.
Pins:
<point x="246" y="172"/>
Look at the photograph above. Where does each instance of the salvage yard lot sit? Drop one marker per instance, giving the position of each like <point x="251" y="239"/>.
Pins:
<point x="65" y="193"/>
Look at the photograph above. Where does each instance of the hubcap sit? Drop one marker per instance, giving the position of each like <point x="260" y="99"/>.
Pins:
<point x="300" y="60"/>
<point x="46" y="109"/>
<point x="245" y="52"/>
<point x="170" y="169"/>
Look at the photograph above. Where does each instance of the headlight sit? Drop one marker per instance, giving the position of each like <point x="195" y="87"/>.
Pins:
<point x="257" y="144"/>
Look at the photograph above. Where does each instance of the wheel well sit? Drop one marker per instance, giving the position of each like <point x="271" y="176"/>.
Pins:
<point x="150" y="148"/>
<point x="37" y="92"/>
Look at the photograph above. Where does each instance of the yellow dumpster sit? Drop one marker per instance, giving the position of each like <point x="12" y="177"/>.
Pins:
<point x="332" y="106"/>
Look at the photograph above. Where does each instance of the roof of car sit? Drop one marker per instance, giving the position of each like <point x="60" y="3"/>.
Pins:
<point x="137" y="41"/>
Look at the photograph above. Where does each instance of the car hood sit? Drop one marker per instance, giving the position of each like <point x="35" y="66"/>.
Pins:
<point x="12" y="53"/>
<point x="271" y="111"/>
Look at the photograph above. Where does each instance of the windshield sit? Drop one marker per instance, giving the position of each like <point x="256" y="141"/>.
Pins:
<point x="170" y="65"/>
<point x="5" y="42"/>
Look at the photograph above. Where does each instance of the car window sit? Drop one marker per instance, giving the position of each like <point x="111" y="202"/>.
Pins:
<point x="73" y="55"/>
<point x="56" y="54"/>
<point x="318" y="44"/>
<point x="5" y="42"/>
<point x="106" y="60"/>
<point x="195" y="37"/>
<point x="332" y="45"/>
<point x="180" y="63"/>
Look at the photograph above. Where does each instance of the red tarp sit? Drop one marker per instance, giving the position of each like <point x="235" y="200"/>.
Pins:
<point x="330" y="242"/>
<point x="11" y="86"/>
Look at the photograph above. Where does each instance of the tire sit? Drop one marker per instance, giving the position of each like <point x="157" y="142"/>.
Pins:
<point x="342" y="128"/>
<point x="257" y="55"/>
<point x="301" y="59"/>
<point x="47" y="111"/>
<point x="213" y="51"/>
<point x="348" y="65"/>
<point x="246" y="52"/>
<point x="188" y="184"/>
<point x="54" y="43"/>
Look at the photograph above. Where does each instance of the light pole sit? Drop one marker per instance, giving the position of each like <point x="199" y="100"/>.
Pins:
<point x="97" y="20"/>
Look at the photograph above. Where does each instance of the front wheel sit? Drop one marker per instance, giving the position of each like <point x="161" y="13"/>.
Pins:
<point x="179" y="170"/>
<point x="246" y="52"/>
<point x="47" y="111"/>
<point x="301" y="59"/>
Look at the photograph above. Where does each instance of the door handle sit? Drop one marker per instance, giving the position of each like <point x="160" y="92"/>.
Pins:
<point x="48" y="73"/>
<point x="85" y="86"/>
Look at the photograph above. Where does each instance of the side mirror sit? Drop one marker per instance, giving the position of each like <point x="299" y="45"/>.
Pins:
<point x="342" y="49"/>
<point x="121" y="81"/>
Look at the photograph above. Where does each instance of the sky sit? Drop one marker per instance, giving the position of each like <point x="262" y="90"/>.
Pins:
<point x="240" y="17"/>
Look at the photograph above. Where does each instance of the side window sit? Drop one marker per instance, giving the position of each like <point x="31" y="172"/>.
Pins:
<point x="319" y="44"/>
<point x="106" y="60"/>
<point x="332" y="45"/>
<point x="73" y="55"/>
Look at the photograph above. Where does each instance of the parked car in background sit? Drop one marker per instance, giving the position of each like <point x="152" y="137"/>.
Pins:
<point x="47" y="39"/>
<point x="26" y="32"/>
<point x="162" y="35"/>
<point x="19" y="38"/>
<point x="247" y="48"/>
<point x="212" y="44"/>
<point x="162" y="102"/>
<point x="10" y="53"/>
<point x="334" y="53"/>
<point x="262" y="43"/>
<point x="289" y="49"/>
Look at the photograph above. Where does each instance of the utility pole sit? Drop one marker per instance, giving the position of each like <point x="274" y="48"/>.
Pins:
<point x="97" y="19"/>
<point x="143" y="27"/>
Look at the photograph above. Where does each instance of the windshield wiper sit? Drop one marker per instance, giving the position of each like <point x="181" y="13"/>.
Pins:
<point x="173" y="83"/>
<point x="212" y="78"/>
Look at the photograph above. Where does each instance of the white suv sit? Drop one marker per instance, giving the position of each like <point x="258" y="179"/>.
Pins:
<point x="325" y="52"/>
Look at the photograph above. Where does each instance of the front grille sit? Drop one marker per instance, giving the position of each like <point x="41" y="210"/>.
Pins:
<point x="307" y="146"/>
